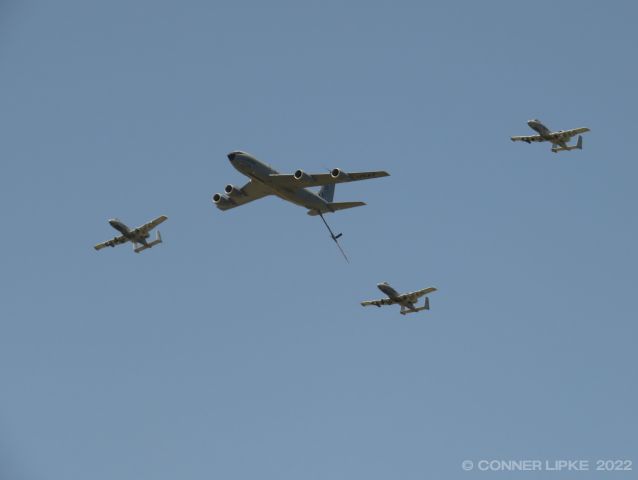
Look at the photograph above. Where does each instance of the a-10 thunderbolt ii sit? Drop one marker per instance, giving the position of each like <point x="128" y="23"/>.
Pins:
<point x="137" y="235"/>
<point x="265" y="181"/>
<point x="558" y="139"/>
<point x="406" y="300"/>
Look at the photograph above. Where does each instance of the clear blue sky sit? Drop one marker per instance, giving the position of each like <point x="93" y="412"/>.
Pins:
<point x="238" y="349"/>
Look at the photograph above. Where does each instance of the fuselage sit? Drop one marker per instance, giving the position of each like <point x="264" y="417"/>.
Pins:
<point x="260" y="172"/>
<point x="388" y="290"/>
<point x="394" y="295"/>
<point x="120" y="227"/>
<point x="538" y="126"/>
<point x="127" y="232"/>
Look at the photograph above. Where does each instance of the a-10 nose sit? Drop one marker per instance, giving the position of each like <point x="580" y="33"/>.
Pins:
<point x="231" y="156"/>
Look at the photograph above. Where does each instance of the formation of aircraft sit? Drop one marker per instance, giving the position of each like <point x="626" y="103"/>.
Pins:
<point x="265" y="181"/>
<point x="406" y="300"/>
<point x="137" y="235"/>
<point x="558" y="139"/>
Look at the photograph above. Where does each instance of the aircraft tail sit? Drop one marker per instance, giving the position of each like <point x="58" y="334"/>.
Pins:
<point x="327" y="192"/>
<point x="578" y="146"/>
<point x="157" y="240"/>
<point x="426" y="306"/>
<point x="333" y="207"/>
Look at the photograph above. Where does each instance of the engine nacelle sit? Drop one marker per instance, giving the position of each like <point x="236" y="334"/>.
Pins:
<point x="337" y="173"/>
<point x="301" y="175"/>
<point x="222" y="200"/>
<point x="233" y="192"/>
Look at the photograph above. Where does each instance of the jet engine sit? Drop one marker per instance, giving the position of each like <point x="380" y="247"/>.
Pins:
<point x="337" y="173"/>
<point x="233" y="192"/>
<point x="222" y="200"/>
<point x="301" y="175"/>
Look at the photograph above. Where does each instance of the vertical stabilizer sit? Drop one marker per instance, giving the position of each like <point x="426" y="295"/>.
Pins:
<point x="327" y="192"/>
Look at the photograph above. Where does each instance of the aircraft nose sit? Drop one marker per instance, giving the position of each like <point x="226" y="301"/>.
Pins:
<point x="232" y="156"/>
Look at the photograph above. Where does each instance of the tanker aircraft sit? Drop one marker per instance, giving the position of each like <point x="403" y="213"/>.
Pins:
<point x="265" y="181"/>
<point x="558" y="139"/>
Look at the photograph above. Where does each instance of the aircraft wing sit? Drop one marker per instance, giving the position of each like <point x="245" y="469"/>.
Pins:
<point x="248" y="193"/>
<point x="320" y="179"/>
<point x="413" y="296"/>
<point x="378" y="303"/>
<point x="111" y="243"/>
<point x="528" y="138"/>
<point x="567" y="134"/>
<point x="147" y="227"/>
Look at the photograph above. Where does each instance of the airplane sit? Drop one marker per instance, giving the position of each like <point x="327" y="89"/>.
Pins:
<point x="559" y="139"/>
<point x="265" y="181"/>
<point x="137" y="235"/>
<point x="406" y="300"/>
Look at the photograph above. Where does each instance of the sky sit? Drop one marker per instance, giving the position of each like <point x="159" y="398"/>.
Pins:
<point x="238" y="349"/>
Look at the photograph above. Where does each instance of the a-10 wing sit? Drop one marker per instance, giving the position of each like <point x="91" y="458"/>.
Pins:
<point x="410" y="296"/>
<point x="414" y="296"/>
<point x="320" y="179"/>
<point x="561" y="135"/>
<point x="528" y="138"/>
<point x="378" y="303"/>
<point x="147" y="227"/>
<point x="566" y="135"/>
<point x="111" y="243"/>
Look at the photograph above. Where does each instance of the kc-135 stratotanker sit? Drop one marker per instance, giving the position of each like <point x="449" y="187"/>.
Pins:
<point x="265" y="181"/>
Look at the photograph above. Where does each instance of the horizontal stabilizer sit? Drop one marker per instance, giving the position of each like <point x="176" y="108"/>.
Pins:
<point x="333" y="207"/>
<point x="426" y="306"/>
<point x="404" y="312"/>
<point x="578" y="146"/>
<point x="157" y="240"/>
